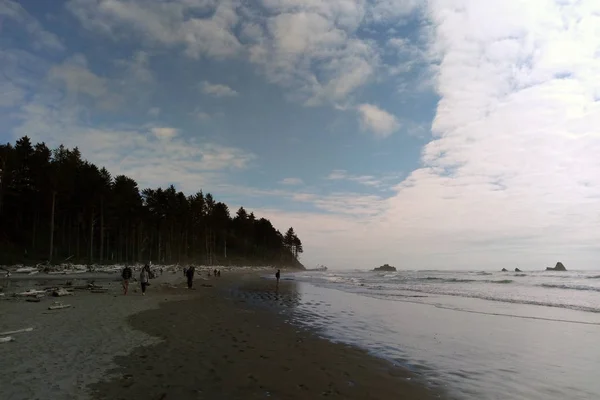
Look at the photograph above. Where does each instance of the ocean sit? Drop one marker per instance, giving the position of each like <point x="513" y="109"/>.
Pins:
<point x="475" y="335"/>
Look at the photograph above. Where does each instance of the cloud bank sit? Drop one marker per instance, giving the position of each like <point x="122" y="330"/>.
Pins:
<point x="511" y="177"/>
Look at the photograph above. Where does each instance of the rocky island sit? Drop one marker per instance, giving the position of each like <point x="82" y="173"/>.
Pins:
<point x="559" y="267"/>
<point x="385" y="268"/>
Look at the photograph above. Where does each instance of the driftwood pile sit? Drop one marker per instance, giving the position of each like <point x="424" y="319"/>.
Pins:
<point x="36" y="295"/>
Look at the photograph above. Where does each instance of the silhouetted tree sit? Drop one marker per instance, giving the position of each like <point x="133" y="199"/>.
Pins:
<point x="56" y="206"/>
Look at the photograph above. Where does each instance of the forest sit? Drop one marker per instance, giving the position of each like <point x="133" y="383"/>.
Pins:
<point x="57" y="207"/>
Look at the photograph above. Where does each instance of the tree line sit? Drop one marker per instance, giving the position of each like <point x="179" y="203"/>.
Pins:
<point x="56" y="207"/>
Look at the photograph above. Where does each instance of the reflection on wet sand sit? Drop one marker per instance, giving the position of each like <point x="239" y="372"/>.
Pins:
<point x="267" y="293"/>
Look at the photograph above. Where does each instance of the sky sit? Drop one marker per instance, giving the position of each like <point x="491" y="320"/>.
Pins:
<point x="433" y="134"/>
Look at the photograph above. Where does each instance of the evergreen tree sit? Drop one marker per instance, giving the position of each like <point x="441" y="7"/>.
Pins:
<point x="55" y="206"/>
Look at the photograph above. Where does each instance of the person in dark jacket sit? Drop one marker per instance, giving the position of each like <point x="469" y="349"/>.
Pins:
<point x="126" y="275"/>
<point x="277" y="276"/>
<point x="145" y="278"/>
<point x="190" y="276"/>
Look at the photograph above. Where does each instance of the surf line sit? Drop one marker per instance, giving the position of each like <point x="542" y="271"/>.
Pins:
<point x="514" y="316"/>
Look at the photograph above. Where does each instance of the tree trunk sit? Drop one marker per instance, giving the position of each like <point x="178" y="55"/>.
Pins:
<point x="34" y="230"/>
<point x="140" y="242"/>
<point x="77" y="241"/>
<point x="63" y="229"/>
<point x="52" y="227"/>
<point x="101" y="229"/>
<point x="159" y="255"/>
<point x="92" y="236"/>
<point x="208" y="258"/>
<point x="127" y="244"/>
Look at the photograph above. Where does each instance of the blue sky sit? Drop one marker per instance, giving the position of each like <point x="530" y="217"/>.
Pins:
<point x="421" y="134"/>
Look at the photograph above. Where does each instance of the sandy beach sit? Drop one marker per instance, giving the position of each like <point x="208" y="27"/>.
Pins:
<point x="72" y="347"/>
<point x="181" y="344"/>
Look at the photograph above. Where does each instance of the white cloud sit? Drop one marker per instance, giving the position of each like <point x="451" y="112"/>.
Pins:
<point x="131" y="84"/>
<point x="175" y="23"/>
<point x="201" y="115"/>
<point x="154" y="111"/>
<point x="10" y="94"/>
<point x="355" y="206"/>
<point x="152" y="155"/>
<point x="137" y="68"/>
<point x="381" y="182"/>
<point x="376" y="120"/>
<point x="291" y="181"/>
<point x="40" y="38"/>
<point x="393" y="11"/>
<point x="217" y="90"/>
<point x="337" y="174"/>
<point x="74" y="74"/>
<point x="310" y="47"/>
<point x="164" y="133"/>
<point x="511" y="176"/>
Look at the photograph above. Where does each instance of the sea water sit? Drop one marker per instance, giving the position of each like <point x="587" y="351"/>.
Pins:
<point x="476" y="335"/>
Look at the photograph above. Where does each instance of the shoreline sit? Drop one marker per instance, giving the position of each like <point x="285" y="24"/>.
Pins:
<point x="180" y="344"/>
<point x="215" y="345"/>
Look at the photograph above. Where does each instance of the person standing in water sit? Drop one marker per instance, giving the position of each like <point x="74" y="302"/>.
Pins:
<point x="126" y="277"/>
<point x="190" y="276"/>
<point x="144" y="278"/>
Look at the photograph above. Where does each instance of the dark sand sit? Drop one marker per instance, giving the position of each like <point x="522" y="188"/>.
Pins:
<point x="220" y="346"/>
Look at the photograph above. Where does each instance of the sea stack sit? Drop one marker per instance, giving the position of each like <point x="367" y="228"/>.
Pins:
<point x="386" y="267"/>
<point x="518" y="270"/>
<point x="504" y="270"/>
<point x="559" y="267"/>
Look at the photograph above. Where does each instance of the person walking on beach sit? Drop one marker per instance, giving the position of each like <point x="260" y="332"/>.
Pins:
<point x="126" y="274"/>
<point x="190" y="276"/>
<point x="277" y="276"/>
<point x="144" y="278"/>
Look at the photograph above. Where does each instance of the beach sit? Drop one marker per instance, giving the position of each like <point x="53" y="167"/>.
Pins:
<point x="72" y="347"/>
<point x="209" y="343"/>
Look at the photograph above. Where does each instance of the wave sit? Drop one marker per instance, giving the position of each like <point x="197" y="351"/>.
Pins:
<point x="593" y="277"/>
<point x="450" y="280"/>
<point x="458" y="280"/>
<point x="570" y="287"/>
<point x="489" y="298"/>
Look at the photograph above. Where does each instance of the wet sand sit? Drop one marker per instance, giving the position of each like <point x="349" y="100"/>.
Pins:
<point x="218" y="345"/>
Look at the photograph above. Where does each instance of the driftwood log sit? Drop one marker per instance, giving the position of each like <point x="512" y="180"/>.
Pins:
<point x="58" y="306"/>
